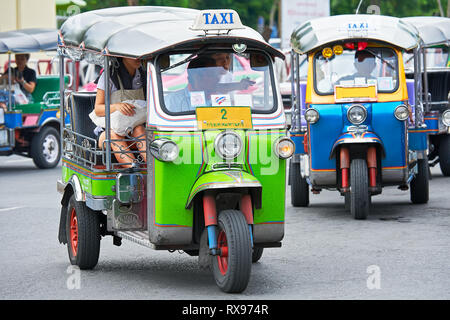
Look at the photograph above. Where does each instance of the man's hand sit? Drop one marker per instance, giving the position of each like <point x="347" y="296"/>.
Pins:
<point x="246" y="83"/>
<point x="125" y="108"/>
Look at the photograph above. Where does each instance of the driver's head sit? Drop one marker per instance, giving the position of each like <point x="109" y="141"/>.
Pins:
<point x="203" y="74"/>
<point x="222" y="60"/>
<point x="364" y="62"/>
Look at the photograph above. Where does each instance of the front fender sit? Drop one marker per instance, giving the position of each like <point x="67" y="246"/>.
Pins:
<point x="356" y="138"/>
<point x="225" y="180"/>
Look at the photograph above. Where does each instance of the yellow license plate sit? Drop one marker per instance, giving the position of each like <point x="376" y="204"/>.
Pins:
<point x="356" y="93"/>
<point x="210" y="118"/>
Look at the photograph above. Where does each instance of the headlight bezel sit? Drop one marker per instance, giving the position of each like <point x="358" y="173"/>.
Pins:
<point x="218" y="147"/>
<point x="314" y="112"/>
<point x="443" y="117"/>
<point x="277" y="143"/>
<point x="353" y="107"/>
<point x="156" y="148"/>
<point x="402" y="106"/>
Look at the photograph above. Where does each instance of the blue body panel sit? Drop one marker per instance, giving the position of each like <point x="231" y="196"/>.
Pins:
<point x="417" y="139"/>
<point x="298" y="139"/>
<point x="13" y="120"/>
<point x="333" y="125"/>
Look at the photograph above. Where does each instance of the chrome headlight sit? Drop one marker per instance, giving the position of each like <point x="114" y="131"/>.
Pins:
<point x="357" y="114"/>
<point x="284" y="147"/>
<point x="312" y="115"/>
<point x="401" y="112"/>
<point x="446" y="118"/>
<point x="164" y="149"/>
<point x="228" y="145"/>
<point x="2" y="116"/>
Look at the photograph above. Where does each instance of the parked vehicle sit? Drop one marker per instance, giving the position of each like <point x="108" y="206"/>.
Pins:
<point x="362" y="130"/>
<point x="435" y="33"/>
<point x="213" y="184"/>
<point x="31" y="129"/>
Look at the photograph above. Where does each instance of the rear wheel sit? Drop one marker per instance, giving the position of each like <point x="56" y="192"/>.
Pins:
<point x="45" y="148"/>
<point x="83" y="234"/>
<point x="444" y="155"/>
<point x="299" y="186"/>
<point x="359" y="189"/>
<point x="419" y="187"/>
<point x="231" y="269"/>
<point x="257" y="254"/>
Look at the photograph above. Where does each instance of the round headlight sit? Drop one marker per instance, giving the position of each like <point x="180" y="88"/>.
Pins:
<point x="164" y="149"/>
<point x="228" y="145"/>
<point x="312" y="115"/>
<point x="446" y="118"/>
<point x="284" y="147"/>
<point x="357" y="114"/>
<point x="401" y="112"/>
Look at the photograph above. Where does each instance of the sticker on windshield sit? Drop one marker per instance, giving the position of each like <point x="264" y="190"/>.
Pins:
<point x="220" y="100"/>
<point x="243" y="100"/>
<point x="198" y="98"/>
<point x="385" y="83"/>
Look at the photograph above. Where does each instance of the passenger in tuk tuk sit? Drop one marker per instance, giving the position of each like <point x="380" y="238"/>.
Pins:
<point x="23" y="75"/>
<point x="128" y="82"/>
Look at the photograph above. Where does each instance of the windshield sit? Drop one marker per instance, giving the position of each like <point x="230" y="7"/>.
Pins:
<point x="436" y="58"/>
<point x="215" y="79"/>
<point x="372" y="65"/>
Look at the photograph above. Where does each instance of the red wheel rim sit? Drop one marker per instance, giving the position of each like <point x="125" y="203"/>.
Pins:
<point x="74" y="232"/>
<point x="222" y="259"/>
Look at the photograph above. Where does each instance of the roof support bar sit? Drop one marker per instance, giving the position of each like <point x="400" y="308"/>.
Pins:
<point x="107" y="114"/>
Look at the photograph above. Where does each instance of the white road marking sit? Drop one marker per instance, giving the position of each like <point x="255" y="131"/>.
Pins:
<point x="12" y="208"/>
<point x="21" y="160"/>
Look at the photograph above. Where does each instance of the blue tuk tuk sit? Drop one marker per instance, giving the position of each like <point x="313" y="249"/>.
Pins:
<point x="358" y="126"/>
<point x="435" y="33"/>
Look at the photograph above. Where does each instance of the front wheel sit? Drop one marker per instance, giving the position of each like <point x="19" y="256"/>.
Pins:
<point x="231" y="269"/>
<point x="299" y="186"/>
<point x="444" y="155"/>
<point x="419" y="186"/>
<point x="45" y="148"/>
<point x="257" y="254"/>
<point x="83" y="234"/>
<point x="359" y="189"/>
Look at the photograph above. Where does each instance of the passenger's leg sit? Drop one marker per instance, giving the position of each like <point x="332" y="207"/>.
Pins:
<point x="119" y="147"/>
<point x="139" y="132"/>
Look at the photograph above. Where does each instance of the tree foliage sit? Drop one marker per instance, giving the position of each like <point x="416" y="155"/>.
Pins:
<point x="250" y="10"/>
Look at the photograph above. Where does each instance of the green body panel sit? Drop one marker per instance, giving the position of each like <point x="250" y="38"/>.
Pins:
<point x="175" y="184"/>
<point x="95" y="183"/>
<point x="172" y="181"/>
<point x="48" y="83"/>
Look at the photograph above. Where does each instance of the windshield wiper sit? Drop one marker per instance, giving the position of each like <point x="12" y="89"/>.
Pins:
<point x="188" y="59"/>
<point x="381" y="58"/>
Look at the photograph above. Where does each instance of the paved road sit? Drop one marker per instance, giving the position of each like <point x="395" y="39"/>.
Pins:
<point x="402" y="251"/>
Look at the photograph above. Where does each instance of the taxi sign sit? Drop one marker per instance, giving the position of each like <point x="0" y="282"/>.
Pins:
<point x="223" y="19"/>
<point x="213" y="118"/>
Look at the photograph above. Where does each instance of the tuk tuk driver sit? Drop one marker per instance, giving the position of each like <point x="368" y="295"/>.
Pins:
<point x="203" y="77"/>
<point x="226" y="83"/>
<point x="23" y="75"/>
<point x="364" y="64"/>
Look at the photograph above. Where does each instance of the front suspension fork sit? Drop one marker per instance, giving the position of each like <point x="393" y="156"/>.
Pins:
<point x="345" y="167"/>
<point x="210" y="215"/>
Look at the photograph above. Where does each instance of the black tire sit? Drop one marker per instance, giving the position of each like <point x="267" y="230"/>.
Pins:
<point x="359" y="189"/>
<point x="444" y="155"/>
<point x="257" y="254"/>
<point x="419" y="186"/>
<point x="235" y="276"/>
<point x="347" y="201"/>
<point x="46" y="148"/>
<point x="85" y="252"/>
<point x="299" y="186"/>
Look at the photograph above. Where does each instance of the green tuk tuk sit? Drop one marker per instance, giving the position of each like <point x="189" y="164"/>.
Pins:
<point x="212" y="181"/>
<point x="31" y="129"/>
